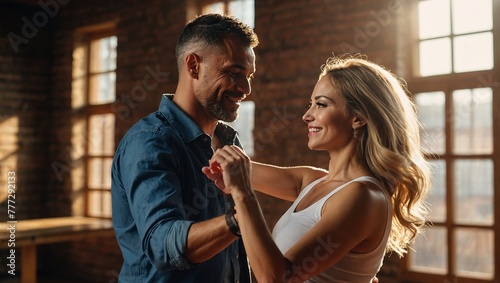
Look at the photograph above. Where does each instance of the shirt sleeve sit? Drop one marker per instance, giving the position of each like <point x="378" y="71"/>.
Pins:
<point x="149" y="175"/>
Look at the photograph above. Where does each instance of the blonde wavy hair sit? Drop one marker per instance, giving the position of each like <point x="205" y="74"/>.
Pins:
<point x="390" y="141"/>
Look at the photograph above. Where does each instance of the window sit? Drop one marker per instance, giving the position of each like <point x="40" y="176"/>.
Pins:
<point x="241" y="9"/>
<point x="457" y="101"/>
<point x="244" y="125"/>
<point x="94" y="76"/>
<point x="463" y="223"/>
<point x="455" y="36"/>
<point x="245" y="11"/>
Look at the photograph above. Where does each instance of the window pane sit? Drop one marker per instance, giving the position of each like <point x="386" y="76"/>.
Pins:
<point x="245" y="124"/>
<point x="103" y="54"/>
<point x="243" y="10"/>
<point x="433" y="18"/>
<point x="102" y="88"/>
<point x="435" y="57"/>
<point x="474" y="253"/>
<point x="431" y="110"/>
<point x="100" y="203"/>
<point x="99" y="173"/>
<point x="473" y="191"/>
<point x="214" y="8"/>
<point x="473" y="52"/>
<point x="101" y="139"/>
<point x="473" y="121"/>
<point x="472" y="16"/>
<point x="430" y="252"/>
<point x="106" y="173"/>
<point x="437" y="197"/>
<point x="94" y="173"/>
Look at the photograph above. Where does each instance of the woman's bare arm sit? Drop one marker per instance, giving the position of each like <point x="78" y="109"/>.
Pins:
<point x="282" y="182"/>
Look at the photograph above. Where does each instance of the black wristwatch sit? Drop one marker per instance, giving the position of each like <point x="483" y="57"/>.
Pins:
<point x="232" y="223"/>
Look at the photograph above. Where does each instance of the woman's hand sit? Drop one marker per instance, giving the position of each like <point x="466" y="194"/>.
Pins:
<point x="229" y="169"/>
<point x="214" y="172"/>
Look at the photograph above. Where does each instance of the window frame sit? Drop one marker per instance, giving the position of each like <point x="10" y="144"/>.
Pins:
<point x="449" y="83"/>
<point x="83" y="38"/>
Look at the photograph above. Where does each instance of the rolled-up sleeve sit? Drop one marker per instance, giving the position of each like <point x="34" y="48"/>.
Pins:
<point x="154" y="193"/>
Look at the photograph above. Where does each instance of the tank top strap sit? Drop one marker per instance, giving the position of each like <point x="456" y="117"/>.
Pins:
<point x="306" y="190"/>
<point x="319" y="204"/>
<point x="359" y="179"/>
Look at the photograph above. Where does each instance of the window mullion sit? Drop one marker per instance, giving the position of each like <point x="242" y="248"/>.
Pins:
<point x="450" y="180"/>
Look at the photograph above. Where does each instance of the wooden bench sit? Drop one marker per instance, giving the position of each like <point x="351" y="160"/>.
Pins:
<point x="27" y="234"/>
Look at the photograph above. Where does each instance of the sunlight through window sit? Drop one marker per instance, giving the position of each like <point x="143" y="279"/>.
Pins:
<point x="93" y="91"/>
<point x="241" y="9"/>
<point x="245" y="124"/>
<point x="9" y="147"/>
<point x="453" y="88"/>
<point x="448" y="42"/>
<point x="469" y="210"/>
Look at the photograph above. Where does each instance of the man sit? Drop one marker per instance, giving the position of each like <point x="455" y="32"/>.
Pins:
<point x="171" y="222"/>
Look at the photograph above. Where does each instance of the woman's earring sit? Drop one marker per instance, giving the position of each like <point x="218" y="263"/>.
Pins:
<point x="355" y="134"/>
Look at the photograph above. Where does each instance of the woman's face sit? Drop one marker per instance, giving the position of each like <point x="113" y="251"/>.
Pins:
<point x="225" y="79"/>
<point x="330" y="127"/>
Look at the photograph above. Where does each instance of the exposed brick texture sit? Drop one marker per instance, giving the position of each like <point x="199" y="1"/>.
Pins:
<point x="35" y="85"/>
<point x="24" y="99"/>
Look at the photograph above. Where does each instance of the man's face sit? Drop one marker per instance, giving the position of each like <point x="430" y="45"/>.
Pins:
<point x="225" y="74"/>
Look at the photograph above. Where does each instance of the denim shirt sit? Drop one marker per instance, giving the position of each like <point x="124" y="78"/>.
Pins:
<point x="159" y="191"/>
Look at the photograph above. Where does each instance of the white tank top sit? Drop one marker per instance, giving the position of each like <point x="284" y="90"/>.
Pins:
<point x="352" y="268"/>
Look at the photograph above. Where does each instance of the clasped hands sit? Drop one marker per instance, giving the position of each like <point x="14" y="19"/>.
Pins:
<point x="229" y="168"/>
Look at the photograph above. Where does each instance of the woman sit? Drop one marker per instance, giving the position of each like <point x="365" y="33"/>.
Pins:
<point x="369" y="202"/>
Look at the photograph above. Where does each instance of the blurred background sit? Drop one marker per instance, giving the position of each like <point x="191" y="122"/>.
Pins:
<point x="75" y="75"/>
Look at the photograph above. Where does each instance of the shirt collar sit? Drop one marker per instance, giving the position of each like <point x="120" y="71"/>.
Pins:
<point x="187" y="128"/>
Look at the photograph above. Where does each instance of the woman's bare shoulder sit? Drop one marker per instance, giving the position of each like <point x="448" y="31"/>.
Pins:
<point x="311" y="174"/>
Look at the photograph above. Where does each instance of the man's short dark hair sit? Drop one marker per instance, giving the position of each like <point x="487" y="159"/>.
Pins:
<point x="212" y="29"/>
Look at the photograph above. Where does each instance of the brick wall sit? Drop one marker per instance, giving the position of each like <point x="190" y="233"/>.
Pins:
<point x="24" y="93"/>
<point x="24" y="96"/>
<point x="296" y="38"/>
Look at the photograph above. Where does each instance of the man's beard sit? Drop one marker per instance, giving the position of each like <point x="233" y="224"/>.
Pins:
<point x="216" y="108"/>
